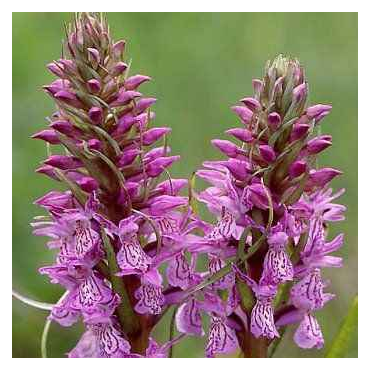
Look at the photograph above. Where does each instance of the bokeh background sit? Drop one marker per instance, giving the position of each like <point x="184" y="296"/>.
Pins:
<point x="201" y="64"/>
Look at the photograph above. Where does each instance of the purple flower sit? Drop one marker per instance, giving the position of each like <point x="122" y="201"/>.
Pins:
<point x="308" y="293"/>
<point x="308" y="334"/>
<point x="188" y="318"/>
<point x="221" y="338"/>
<point x="150" y="299"/>
<point x="101" y="341"/>
<point x="179" y="271"/>
<point x="277" y="266"/>
<point x="262" y="315"/>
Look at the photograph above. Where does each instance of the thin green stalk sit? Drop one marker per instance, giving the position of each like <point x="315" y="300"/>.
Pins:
<point x="126" y="315"/>
<point x="44" y="338"/>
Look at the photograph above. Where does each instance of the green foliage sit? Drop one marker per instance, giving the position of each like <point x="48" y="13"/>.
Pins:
<point x="347" y="334"/>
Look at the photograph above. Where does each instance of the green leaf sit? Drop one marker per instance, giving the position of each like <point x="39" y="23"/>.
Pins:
<point x="347" y="333"/>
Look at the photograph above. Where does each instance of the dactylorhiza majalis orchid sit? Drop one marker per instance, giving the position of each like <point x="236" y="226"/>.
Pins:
<point x="127" y="235"/>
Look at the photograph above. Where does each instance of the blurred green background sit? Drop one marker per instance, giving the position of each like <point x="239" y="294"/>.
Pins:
<point x="201" y="64"/>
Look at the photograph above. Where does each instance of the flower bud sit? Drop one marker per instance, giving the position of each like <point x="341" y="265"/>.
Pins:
<point x="96" y="115"/>
<point x="124" y="97"/>
<point x="267" y="153"/>
<point x="68" y="98"/>
<point x="278" y="87"/>
<point x="56" y="69"/>
<point x="118" y="49"/>
<point x="94" y="57"/>
<point x="322" y="176"/>
<point x="143" y="119"/>
<point x="238" y="168"/>
<point x="318" y="110"/>
<point x="156" y="153"/>
<point x="152" y="135"/>
<point x="66" y="128"/>
<point x="299" y="93"/>
<point x="55" y="200"/>
<point x="134" y="82"/>
<point x="56" y="86"/>
<point x="244" y="113"/>
<point x="48" y="171"/>
<point x="227" y="147"/>
<point x="241" y="133"/>
<point x="128" y="156"/>
<point x="165" y="203"/>
<point x="143" y="104"/>
<point x="172" y="187"/>
<point x="156" y="167"/>
<point x="318" y="144"/>
<point x="251" y="103"/>
<point x="63" y="162"/>
<point x="118" y="69"/>
<point x="49" y="136"/>
<point x="255" y="195"/>
<point x="94" y="144"/>
<point x="88" y="184"/>
<point x="298" y="131"/>
<point x="257" y="87"/>
<point x="297" y="168"/>
<point x="68" y="65"/>
<point x="93" y="86"/>
<point x="274" y="120"/>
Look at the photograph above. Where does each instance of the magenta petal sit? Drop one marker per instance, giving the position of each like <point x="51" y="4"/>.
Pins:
<point x="178" y="271"/>
<point x="262" y="320"/>
<point x="308" y="334"/>
<point x="150" y="299"/>
<point x="188" y="318"/>
<point x="221" y="339"/>
<point x="87" y="346"/>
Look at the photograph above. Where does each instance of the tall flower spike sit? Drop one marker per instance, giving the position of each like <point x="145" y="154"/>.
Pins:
<point x="271" y="186"/>
<point x="104" y="226"/>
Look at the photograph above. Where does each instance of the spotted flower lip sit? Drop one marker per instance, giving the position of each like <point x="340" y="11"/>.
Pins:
<point x="222" y="339"/>
<point x="308" y="334"/>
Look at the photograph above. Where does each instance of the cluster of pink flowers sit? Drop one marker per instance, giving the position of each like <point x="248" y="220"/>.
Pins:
<point x="128" y="240"/>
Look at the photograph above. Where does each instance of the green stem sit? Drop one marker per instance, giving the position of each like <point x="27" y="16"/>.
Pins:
<point x="172" y="330"/>
<point x="276" y="342"/>
<point x="126" y="315"/>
